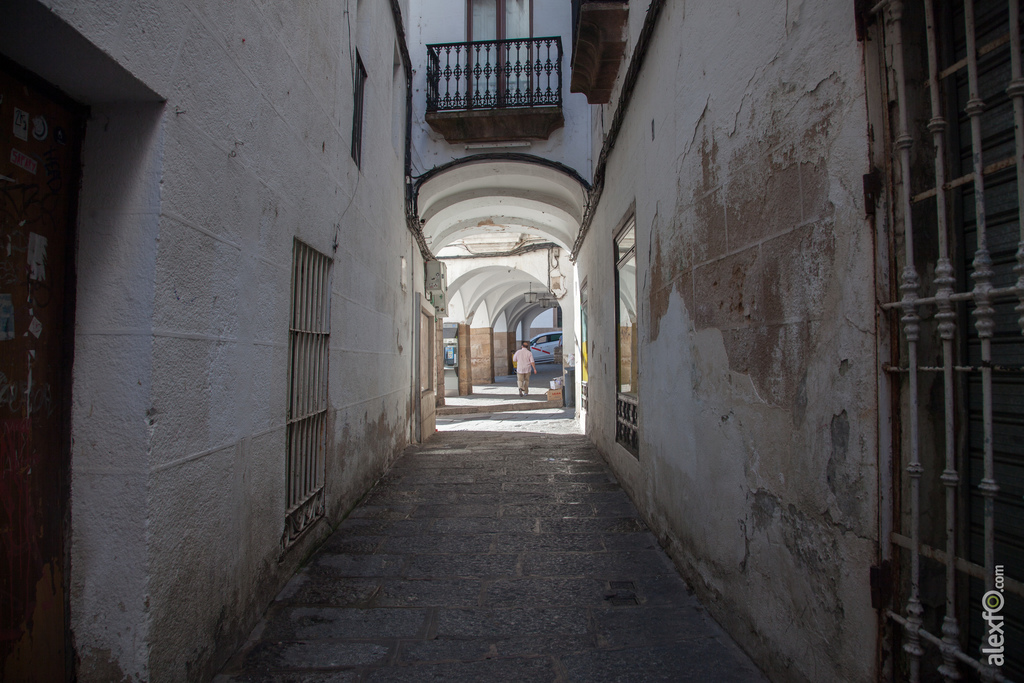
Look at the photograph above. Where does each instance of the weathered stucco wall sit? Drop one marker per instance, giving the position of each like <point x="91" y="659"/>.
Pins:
<point x="757" y="459"/>
<point x="188" y="214"/>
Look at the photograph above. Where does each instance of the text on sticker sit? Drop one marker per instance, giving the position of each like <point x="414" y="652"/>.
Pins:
<point x="22" y="160"/>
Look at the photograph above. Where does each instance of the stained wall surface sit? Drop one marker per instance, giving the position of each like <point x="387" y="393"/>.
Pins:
<point x="742" y="162"/>
<point x="189" y="208"/>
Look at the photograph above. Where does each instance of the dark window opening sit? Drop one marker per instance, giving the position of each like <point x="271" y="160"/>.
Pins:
<point x="357" y="111"/>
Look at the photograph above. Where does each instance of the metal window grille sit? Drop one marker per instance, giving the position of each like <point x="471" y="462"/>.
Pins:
<point x="627" y="432"/>
<point x="358" y="90"/>
<point x="957" y="125"/>
<point x="495" y="74"/>
<point x="584" y="359"/>
<point x="307" y="394"/>
<point x="627" y="424"/>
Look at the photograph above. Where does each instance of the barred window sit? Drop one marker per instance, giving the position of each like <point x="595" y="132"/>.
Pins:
<point x="951" y="106"/>
<point x="307" y="388"/>
<point x="626" y="365"/>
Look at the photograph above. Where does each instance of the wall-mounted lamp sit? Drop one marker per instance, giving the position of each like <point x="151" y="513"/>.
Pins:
<point x="531" y="296"/>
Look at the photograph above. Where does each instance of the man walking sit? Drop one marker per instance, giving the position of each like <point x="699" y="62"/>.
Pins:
<point x="524" y="363"/>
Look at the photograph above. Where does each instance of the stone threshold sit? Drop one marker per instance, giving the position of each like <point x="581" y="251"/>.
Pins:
<point x="498" y="407"/>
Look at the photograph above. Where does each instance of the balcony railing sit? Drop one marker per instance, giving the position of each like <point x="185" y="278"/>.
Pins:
<point x="627" y="424"/>
<point x="494" y="74"/>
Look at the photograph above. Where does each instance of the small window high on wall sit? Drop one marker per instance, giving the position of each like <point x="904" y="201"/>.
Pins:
<point x="626" y="362"/>
<point x="359" y="87"/>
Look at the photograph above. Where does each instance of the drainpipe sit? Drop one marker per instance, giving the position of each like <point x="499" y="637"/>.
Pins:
<point x="417" y="408"/>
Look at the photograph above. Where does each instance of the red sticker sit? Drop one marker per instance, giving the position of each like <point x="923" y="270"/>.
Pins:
<point x="24" y="161"/>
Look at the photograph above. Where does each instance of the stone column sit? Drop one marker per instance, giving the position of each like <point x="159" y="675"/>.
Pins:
<point x="465" y="362"/>
<point x="482" y="342"/>
<point x="512" y="348"/>
<point x="439" y="361"/>
<point x="501" y="353"/>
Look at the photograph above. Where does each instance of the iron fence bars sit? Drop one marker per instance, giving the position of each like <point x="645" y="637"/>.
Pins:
<point x="909" y="284"/>
<point x="911" y="328"/>
<point x="309" y="337"/>
<point x="983" y="311"/>
<point x="495" y="74"/>
<point x="627" y="432"/>
<point x="968" y="405"/>
<point x="1015" y="89"/>
<point x="945" y="282"/>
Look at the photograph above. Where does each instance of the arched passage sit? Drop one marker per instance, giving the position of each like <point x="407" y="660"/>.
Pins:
<point x="514" y="194"/>
<point x="504" y="225"/>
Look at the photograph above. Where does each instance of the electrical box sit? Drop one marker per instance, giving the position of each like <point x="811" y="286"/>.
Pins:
<point x="439" y="298"/>
<point x="435" y="276"/>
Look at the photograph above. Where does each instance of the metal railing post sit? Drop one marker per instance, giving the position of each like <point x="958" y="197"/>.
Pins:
<point x="909" y="283"/>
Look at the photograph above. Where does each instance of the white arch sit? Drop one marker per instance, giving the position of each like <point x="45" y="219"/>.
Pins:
<point x="500" y="196"/>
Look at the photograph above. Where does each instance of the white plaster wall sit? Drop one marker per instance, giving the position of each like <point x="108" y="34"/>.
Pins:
<point x="456" y="309"/>
<point x="444" y="21"/>
<point x="188" y="213"/>
<point x="757" y="462"/>
<point x="119" y="219"/>
<point x="482" y="317"/>
<point x="545" y="319"/>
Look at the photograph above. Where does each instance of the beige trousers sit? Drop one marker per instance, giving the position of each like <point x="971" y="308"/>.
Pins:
<point x="524" y="380"/>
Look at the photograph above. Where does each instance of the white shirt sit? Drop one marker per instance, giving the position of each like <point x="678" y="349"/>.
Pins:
<point x="524" y="361"/>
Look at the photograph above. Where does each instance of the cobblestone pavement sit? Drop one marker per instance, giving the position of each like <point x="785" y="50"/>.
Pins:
<point x="487" y="556"/>
<point x="505" y="389"/>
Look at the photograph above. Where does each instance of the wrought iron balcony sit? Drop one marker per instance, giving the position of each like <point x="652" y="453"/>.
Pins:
<point x="495" y="89"/>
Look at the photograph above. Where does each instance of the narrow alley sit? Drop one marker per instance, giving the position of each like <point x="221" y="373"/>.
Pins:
<point x="272" y="273"/>
<point x="483" y="555"/>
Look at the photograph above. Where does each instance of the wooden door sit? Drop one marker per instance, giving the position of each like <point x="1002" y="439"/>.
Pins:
<point x="39" y="163"/>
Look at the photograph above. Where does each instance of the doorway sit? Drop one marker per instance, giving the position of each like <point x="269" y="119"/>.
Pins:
<point x="40" y="134"/>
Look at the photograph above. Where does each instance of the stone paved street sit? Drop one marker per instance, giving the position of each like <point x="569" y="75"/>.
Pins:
<point x="491" y="556"/>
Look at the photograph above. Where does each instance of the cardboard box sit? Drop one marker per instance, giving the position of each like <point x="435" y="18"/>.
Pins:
<point x="555" y="395"/>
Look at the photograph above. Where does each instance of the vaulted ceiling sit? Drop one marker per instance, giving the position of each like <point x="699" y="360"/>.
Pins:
<point x="500" y="197"/>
